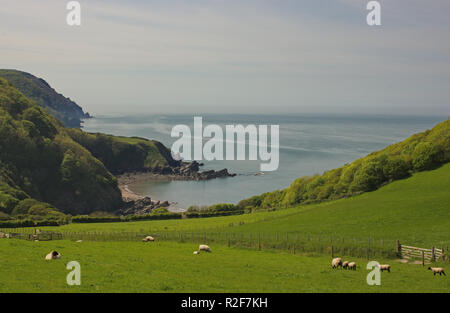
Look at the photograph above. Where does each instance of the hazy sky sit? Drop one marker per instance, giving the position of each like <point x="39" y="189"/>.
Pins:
<point x="239" y="56"/>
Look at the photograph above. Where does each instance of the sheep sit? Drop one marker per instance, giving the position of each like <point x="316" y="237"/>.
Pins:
<point x="196" y="252"/>
<point x="352" y="266"/>
<point x="148" y="238"/>
<point x="79" y="240"/>
<point x="437" y="270"/>
<point x="345" y="264"/>
<point x="385" y="267"/>
<point x="336" y="262"/>
<point x="204" y="248"/>
<point x="53" y="255"/>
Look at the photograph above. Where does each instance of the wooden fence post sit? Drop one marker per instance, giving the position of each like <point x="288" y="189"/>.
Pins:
<point x="433" y="254"/>
<point x="332" y="251"/>
<point x="259" y="241"/>
<point x="423" y="258"/>
<point x="399" y="248"/>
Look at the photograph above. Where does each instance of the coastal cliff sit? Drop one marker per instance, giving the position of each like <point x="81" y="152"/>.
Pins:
<point x="39" y="91"/>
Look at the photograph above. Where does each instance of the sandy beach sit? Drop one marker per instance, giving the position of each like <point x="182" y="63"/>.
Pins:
<point x="125" y="180"/>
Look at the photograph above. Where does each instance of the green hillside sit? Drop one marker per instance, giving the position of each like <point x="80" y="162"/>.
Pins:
<point x="39" y="160"/>
<point x="414" y="210"/>
<point x="121" y="154"/>
<point x="38" y="90"/>
<point x="422" y="151"/>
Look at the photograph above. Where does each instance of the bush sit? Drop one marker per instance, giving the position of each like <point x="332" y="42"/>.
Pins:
<point x="427" y="156"/>
<point x="23" y="206"/>
<point x="44" y="209"/>
<point x="7" y="203"/>
<point x="213" y="214"/>
<point x="221" y="207"/>
<point x="396" y="168"/>
<point x="369" y="177"/>
<point x="17" y="223"/>
<point x="160" y="210"/>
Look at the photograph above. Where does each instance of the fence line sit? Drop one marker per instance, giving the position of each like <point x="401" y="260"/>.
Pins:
<point x="290" y="242"/>
<point x="429" y="255"/>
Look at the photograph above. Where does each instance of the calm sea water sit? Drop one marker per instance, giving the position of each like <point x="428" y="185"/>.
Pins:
<point x="309" y="144"/>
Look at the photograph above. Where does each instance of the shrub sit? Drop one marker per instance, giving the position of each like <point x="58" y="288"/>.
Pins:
<point x="427" y="156"/>
<point x="221" y="207"/>
<point x="23" y="206"/>
<point x="7" y="203"/>
<point x="160" y="210"/>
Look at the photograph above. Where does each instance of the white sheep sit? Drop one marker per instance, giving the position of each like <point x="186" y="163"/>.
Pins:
<point x="148" y="238"/>
<point x="204" y="248"/>
<point x="196" y="252"/>
<point x="437" y="270"/>
<point x="53" y="255"/>
<point x="385" y="267"/>
<point x="336" y="262"/>
<point x="345" y="264"/>
<point x="352" y="266"/>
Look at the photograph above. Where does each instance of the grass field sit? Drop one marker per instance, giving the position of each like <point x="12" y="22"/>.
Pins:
<point x="171" y="267"/>
<point x="415" y="210"/>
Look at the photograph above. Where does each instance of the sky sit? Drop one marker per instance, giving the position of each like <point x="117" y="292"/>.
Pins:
<point x="235" y="56"/>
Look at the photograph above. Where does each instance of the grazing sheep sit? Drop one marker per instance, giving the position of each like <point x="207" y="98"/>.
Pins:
<point x="204" y="248"/>
<point x="53" y="255"/>
<point x="437" y="270"/>
<point x="352" y="266"/>
<point x="148" y="238"/>
<point x="345" y="264"/>
<point x="385" y="267"/>
<point x="336" y="262"/>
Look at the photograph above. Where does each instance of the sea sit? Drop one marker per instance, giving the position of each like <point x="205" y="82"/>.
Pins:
<point x="309" y="144"/>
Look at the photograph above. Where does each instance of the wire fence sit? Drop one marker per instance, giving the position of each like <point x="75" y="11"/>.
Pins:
<point x="289" y="242"/>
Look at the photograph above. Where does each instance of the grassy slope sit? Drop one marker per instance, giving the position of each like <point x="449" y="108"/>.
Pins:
<point x="171" y="267"/>
<point x="415" y="210"/>
<point x="120" y="153"/>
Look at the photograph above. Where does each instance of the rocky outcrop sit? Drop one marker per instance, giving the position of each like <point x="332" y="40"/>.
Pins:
<point x="182" y="171"/>
<point x="142" y="206"/>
